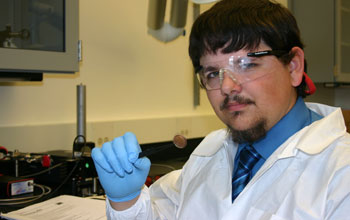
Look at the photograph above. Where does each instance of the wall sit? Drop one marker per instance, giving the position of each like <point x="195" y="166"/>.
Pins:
<point x="336" y="96"/>
<point x="134" y="83"/>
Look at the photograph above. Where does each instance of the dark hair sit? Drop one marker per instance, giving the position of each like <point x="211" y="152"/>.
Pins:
<point x="232" y="25"/>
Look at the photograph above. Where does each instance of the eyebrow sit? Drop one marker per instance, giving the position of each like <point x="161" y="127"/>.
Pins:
<point x="209" y="68"/>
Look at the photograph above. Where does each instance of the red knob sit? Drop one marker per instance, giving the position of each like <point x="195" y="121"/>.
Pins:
<point x="46" y="161"/>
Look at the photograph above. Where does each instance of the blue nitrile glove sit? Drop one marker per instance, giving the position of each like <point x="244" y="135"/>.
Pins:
<point x="121" y="173"/>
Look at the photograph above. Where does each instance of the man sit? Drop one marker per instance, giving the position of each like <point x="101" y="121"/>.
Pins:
<point x="279" y="158"/>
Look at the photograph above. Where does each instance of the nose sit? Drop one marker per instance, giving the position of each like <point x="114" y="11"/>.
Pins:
<point x="230" y="84"/>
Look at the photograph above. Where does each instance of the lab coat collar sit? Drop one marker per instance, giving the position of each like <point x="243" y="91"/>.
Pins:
<point x="209" y="146"/>
<point x="311" y="139"/>
<point x="314" y="138"/>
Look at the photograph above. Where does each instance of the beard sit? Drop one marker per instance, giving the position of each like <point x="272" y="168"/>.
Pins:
<point x="249" y="135"/>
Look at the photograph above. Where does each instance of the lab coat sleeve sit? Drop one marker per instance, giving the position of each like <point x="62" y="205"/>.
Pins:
<point x="165" y="195"/>
<point x="141" y="210"/>
<point x="159" y="202"/>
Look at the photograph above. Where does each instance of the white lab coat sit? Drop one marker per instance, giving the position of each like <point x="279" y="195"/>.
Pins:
<point x="307" y="177"/>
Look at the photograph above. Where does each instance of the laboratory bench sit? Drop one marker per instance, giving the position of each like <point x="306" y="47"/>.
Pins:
<point x="77" y="176"/>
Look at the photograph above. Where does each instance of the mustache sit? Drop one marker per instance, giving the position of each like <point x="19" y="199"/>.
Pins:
<point x="236" y="98"/>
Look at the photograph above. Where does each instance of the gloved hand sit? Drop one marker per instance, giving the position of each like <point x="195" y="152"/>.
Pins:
<point x="121" y="173"/>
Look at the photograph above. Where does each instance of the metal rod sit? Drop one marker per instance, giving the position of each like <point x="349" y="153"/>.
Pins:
<point x="81" y="112"/>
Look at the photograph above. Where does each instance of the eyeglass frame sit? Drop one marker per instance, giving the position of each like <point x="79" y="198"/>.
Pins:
<point x="277" y="53"/>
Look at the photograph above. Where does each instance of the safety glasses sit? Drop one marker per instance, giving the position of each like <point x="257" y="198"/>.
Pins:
<point x="241" y="69"/>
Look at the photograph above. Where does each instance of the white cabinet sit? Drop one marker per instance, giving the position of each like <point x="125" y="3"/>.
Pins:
<point x="38" y="36"/>
<point x="325" y="31"/>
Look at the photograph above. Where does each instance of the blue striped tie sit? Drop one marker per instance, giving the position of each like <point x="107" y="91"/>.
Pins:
<point x="248" y="157"/>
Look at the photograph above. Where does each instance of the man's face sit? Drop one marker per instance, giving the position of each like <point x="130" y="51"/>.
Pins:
<point x="251" y="105"/>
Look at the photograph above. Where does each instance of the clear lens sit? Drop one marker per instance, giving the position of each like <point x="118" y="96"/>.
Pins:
<point x="240" y="69"/>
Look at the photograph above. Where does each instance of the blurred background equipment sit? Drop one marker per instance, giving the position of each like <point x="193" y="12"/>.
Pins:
<point x="168" y="31"/>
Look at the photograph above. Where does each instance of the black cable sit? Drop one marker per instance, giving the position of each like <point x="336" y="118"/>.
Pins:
<point x="17" y="201"/>
<point x="65" y="180"/>
<point x="43" y="171"/>
<point x="75" y="141"/>
<point x="57" y="165"/>
<point x="78" y="160"/>
<point x="49" y="193"/>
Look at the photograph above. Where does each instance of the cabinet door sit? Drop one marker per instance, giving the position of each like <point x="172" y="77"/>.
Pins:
<point x="342" y="70"/>
<point x="316" y="22"/>
<point x="39" y="36"/>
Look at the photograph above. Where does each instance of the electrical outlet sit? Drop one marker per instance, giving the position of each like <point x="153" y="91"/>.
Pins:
<point x="99" y="142"/>
<point x="184" y="132"/>
<point x="102" y="132"/>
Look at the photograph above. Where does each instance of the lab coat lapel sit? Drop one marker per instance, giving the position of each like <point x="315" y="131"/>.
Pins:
<point x="208" y="191"/>
<point x="209" y="146"/>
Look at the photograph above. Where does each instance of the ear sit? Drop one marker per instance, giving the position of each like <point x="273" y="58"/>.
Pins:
<point x="296" y="66"/>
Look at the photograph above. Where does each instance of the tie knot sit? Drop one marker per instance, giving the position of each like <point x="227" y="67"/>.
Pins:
<point x="249" y="157"/>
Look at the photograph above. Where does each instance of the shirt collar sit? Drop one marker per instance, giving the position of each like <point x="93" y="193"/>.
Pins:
<point x="297" y="118"/>
<point x="274" y="138"/>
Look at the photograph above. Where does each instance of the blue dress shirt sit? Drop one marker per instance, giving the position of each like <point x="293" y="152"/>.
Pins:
<point x="296" y="119"/>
